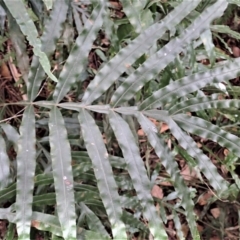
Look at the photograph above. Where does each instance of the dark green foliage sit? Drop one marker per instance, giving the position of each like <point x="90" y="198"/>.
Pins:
<point x="75" y="170"/>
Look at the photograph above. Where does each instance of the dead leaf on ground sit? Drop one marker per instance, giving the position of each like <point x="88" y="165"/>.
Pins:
<point x="3" y="228"/>
<point x="236" y="51"/>
<point x="188" y="174"/>
<point x="164" y="128"/>
<point x="4" y="71"/>
<point x="185" y="229"/>
<point x="141" y="133"/>
<point x="115" y="5"/>
<point x="215" y="212"/>
<point x="199" y="228"/>
<point x="171" y="229"/>
<point x="204" y="198"/>
<point x="215" y="238"/>
<point x="35" y="223"/>
<point x="157" y="192"/>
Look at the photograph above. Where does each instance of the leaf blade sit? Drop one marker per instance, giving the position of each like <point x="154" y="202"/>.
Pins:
<point x="62" y="173"/>
<point x="192" y="83"/>
<point x="103" y="172"/>
<point x="28" y="28"/>
<point x="207" y="130"/>
<point x="165" y="55"/>
<point x="50" y="35"/>
<point x="204" y="163"/>
<point x="73" y="68"/>
<point x="200" y="103"/>
<point x="26" y="164"/>
<point x="117" y="65"/>
<point x="172" y="169"/>
<point x="137" y="172"/>
<point x="4" y="165"/>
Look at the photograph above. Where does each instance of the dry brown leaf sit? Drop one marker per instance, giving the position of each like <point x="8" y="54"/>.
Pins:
<point x="203" y="199"/>
<point x="188" y="174"/>
<point x="115" y="5"/>
<point x="185" y="229"/>
<point x="215" y="212"/>
<point x="215" y="238"/>
<point x="141" y="133"/>
<point x="164" y="128"/>
<point x="35" y="223"/>
<point x="182" y="163"/>
<point x="199" y="144"/>
<point x="200" y="228"/>
<point x="236" y="51"/>
<point x="157" y="192"/>
<point x="197" y="212"/>
<point x="224" y="170"/>
<point x="226" y="152"/>
<point x="4" y="71"/>
<point x="3" y="228"/>
<point x="14" y="72"/>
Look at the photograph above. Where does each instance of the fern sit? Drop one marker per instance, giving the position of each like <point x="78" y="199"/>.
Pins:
<point x="67" y="181"/>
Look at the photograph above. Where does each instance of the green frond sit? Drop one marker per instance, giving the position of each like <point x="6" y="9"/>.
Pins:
<point x="137" y="172"/>
<point x="62" y="174"/>
<point x="19" y="12"/>
<point x="103" y="172"/>
<point x="78" y="57"/>
<point x="52" y="31"/>
<point x="26" y="163"/>
<point x="154" y="64"/>
<point x="128" y="55"/>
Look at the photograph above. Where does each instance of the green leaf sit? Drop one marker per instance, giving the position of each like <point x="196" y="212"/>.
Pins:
<point x="78" y="57"/>
<point x="41" y="221"/>
<point x="93" y="221"/>
<point x="201" y="103"/>
<point x="128" y="55"/>
<point x="94" y="235"/>
<point x="52" y="31"/>
<point x="204" y="163"/>
<point x="226" y="30"/>
<point x="82" y="157"/>
<point x="28" y="28"/>
<point x="172" y="169"/>
<point x="133" y="10"/>
<point x="46" y="222"/>
<point x="103" y="172"/>
<point x="207" y="130"/>
<point x="26" y="163"/>
<point x="62" y="173"/>
<point x="165" y="55"/>
<point x="5" y="213"/>
<point x="133" y="222"/>
<point x="4" y="165"/>
<point x="44" y="179"/>
<point x="11" y="231"/>
<point x="191" y="83"/>
<point x="178" y="226"/>
<point x="44" y="199"/>
<point x="11" y="133"/>
<point x="237" y="2"/>
<point x="18" y="41"/>
<point x="8" y="193"/>
<point x="138" y="173"/>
